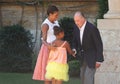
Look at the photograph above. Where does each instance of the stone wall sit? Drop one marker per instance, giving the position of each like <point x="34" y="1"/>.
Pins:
<point x="16" y="13"/>
<point x="109" y="72"/>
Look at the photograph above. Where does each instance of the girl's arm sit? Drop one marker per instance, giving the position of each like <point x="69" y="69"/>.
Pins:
<point x="69" y="50"/>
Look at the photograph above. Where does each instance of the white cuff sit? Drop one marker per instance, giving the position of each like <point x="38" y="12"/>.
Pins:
<point x="74" y="50"/>
<point x="99" y="62"/>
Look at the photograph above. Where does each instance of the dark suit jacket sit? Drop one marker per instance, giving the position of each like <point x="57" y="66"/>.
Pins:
<point x="91" y="44"/>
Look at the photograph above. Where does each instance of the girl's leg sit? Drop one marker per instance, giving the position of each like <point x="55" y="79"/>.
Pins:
<point x="47" y="82"/>
<point x="59" y="82"/>
<point x="53" y="81"/>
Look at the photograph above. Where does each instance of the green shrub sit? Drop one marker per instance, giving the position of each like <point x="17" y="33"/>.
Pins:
<point x="67" y="24"/>
<point x="103" y="8"/>
<point x="74" y="68"/>
<point x="16" y="49"/>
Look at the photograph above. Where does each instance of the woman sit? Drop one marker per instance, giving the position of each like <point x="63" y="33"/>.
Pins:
<point x="47" y="36"/>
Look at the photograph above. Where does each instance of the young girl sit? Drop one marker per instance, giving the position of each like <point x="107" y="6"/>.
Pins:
<point x="57" y="67"/>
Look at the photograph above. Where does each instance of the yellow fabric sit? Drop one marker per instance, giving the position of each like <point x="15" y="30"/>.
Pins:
<point x="57" y="71"/>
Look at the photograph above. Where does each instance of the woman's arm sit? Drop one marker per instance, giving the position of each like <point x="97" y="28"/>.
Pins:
<point x="45" y="28"/>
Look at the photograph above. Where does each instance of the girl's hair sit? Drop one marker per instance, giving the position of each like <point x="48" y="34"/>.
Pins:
<point x="51" y="9"/>
<point x="57" y="30"/>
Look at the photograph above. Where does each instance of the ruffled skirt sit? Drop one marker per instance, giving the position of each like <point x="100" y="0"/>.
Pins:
<point x="57" y="71"/>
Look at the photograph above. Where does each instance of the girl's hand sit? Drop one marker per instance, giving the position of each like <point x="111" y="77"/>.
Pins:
<point x="74" y="54"/>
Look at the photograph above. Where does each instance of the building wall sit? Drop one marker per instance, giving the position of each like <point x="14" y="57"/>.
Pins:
<point x="31" y="17"/>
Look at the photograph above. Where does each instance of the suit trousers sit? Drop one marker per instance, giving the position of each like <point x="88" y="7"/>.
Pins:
<point x="87" y="74"/>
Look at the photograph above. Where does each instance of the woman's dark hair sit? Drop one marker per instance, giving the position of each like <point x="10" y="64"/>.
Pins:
<point x="51" y="9"/>
<point x="57" y="30"/>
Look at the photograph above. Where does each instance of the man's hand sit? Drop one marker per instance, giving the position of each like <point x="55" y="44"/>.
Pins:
<point x="97" y="65"/>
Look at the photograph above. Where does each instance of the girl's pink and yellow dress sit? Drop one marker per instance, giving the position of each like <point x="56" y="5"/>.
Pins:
<point x="40" y="68"/>
<point x="57" y="66"/>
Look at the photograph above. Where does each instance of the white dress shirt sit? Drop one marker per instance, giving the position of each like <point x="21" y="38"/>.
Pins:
<point x="82" y="31"/>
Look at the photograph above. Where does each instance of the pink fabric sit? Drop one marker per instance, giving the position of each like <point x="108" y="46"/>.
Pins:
<point x="40" y="68"/>
<point x="59" y="55"/>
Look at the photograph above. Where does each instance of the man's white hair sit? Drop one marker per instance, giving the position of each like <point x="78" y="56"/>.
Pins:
<point x="80" y="14"/>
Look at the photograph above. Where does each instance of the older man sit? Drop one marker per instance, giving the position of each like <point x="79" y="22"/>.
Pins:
<point x="87" y="42"/>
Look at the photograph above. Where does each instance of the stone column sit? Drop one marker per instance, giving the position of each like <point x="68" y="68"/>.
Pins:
<point x="114" y="9"/>
<point x="109" y="72"/>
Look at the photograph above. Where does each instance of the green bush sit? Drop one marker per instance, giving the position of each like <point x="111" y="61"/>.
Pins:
<point x="103" y="8"/>
<point x="67" y="24"/>
<point x="16" y="49"/>
<point x="74" y="68"/>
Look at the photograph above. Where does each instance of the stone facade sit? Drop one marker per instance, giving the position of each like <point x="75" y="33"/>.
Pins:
<point x="14" y="13"/>
<point x="109" y="72"/>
